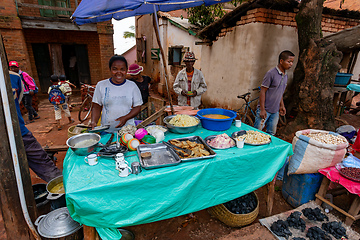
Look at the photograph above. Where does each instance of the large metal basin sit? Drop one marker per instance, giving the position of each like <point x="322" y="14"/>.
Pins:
<point x="180" y="130"/>
<point x="83" y="151"/>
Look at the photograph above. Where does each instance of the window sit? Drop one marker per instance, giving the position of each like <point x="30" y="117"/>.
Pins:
<point x="176" y="54"/>
<point x="54" y="3"/>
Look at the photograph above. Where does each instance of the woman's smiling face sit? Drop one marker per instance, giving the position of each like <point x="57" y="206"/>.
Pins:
<point x="118" y="71"/>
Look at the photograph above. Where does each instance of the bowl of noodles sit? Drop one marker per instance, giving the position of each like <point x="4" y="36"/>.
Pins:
<point x="181" y="123"/>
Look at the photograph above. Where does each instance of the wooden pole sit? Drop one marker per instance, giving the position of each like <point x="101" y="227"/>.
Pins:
<point x="15" y="225"/>
<point x="163" y="60"/>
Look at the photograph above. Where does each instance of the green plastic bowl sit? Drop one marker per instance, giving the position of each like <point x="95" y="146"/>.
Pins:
<point x="148" y="139"/>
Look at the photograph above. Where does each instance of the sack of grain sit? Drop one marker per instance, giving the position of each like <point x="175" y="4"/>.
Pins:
<point x="316" y="149"/>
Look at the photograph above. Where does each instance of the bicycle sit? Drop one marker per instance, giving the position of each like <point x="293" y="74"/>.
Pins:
<point x="86" y="105"/>
<point x="243" y="111"/>
<point x="244" y="114"/>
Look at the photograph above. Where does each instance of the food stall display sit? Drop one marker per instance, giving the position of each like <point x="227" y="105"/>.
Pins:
<point x="170" y="184"/>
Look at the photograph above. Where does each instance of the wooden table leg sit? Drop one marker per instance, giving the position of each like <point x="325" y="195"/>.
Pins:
<point x="354" y="210"/>
<point x="270" y="196"/>
<point x="323" y="189"/>
<point x="90" y="233"/>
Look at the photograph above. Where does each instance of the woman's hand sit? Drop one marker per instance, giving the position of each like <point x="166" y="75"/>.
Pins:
<point x="92" y="125"/>
<point x="184" y="93"/>
<point x="122" y="120"/>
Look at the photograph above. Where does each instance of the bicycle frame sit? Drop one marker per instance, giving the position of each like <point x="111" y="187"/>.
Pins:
<point x="246" y="105"/>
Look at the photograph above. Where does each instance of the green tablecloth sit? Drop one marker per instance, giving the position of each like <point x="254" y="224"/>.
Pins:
<point x="96" y="196"/>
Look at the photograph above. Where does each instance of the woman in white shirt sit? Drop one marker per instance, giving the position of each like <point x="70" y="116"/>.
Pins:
<point x="116" y="99"/>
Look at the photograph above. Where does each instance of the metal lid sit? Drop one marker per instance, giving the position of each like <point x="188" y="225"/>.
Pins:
<point x="56" y="224"/>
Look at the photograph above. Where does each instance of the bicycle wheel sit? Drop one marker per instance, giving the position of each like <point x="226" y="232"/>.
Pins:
<point x="85" y="109"/>
<point x="247" y="120"/>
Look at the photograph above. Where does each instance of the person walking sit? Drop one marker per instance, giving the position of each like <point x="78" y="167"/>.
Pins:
<point x="38" y="160"/>
<point x="29" y="90"/>
<point x="271" y="102"/>
<point x="190" y="83"/>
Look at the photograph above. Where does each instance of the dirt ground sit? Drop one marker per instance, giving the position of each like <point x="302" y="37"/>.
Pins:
<point x="199" y="225"/>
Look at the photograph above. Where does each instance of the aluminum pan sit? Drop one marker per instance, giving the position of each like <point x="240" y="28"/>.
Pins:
<point x="161" y="156"/>
<point x="197" y="139"/>
<point x="243" y="132"/>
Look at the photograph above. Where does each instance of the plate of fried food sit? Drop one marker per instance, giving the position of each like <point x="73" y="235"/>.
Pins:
<point x="251" y="137"/>
<point x="194" y="147"/>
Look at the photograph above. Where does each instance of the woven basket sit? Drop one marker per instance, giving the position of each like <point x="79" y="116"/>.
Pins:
<point x="70" y="132"/>
<point x="234" y="220"/>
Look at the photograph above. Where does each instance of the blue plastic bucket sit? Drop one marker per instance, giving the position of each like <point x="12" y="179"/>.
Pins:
<point x="342" y="78"/>
<point x="216" y="124"/>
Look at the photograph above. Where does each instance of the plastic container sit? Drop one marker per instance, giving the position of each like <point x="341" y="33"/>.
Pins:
<point x="343" y="78"/>
<point x="216" y="124"/>
<point x="298" y="189"/>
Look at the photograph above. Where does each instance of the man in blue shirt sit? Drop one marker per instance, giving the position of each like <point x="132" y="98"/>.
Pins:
<point x="38" y="159"/>
<point x="271" y="94"/>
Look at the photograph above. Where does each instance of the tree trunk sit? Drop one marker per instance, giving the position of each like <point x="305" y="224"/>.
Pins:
<point x="312" y="88"/>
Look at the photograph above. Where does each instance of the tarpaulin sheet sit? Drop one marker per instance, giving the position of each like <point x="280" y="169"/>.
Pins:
<point x="333" y="175"/>
<point x="96" y="196"/>
<point x="353" y="87"/>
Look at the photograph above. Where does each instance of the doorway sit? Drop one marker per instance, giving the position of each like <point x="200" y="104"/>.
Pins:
<point x="71" y="60"/>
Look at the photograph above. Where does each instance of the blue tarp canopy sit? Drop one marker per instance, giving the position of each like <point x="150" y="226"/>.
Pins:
<point x="91" y="11"/>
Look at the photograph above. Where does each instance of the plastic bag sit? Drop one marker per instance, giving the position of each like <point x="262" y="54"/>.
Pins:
<point x="351" y="161"/>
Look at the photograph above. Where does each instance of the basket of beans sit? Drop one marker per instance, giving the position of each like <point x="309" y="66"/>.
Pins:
<point x="238" y="212"/>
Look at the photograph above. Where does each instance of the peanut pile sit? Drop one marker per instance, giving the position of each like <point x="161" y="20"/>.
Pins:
<point x="327" y="138"/>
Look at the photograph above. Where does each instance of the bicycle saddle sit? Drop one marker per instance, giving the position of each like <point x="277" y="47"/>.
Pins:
<point x="243" y="96"/>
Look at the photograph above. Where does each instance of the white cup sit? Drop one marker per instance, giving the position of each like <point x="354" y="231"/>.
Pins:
<point x="124" y="170"/>
<point x="238" y="123"/>
<point x="240" y="143"/>
<point x="91" y="159"/>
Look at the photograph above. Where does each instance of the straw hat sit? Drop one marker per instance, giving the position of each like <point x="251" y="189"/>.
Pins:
<point x="135" y="69"/>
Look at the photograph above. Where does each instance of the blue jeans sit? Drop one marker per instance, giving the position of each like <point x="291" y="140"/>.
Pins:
<point x="271" y="121"/>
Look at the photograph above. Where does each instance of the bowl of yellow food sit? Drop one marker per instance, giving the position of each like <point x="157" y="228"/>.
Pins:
<point x="216" y="119"/>
<point x="181" y="123"/>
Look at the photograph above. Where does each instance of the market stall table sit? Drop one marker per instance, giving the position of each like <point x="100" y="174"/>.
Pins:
<point x="332" y="175"/>
<point x="96" y="196"/>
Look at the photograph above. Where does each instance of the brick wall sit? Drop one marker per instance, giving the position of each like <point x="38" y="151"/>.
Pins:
<point x="329" y="23"/>
<point x="35" y="12"/>
<point x="105" y="31"/>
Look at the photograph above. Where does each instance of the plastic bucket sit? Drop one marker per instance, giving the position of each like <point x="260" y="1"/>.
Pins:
<point x="216" y="124"/>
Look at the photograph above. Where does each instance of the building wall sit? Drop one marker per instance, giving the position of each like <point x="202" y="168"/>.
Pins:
<point x="130" y="55"/>
<point x="241" y="55"/>
<point x="170" y="36"/>
<point x="17" y="41"/>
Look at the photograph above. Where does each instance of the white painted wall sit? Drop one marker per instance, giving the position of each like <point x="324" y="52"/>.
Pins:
<point x="239" y="61"/>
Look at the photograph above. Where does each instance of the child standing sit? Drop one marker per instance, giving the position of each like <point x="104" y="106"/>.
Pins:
<point x="57" y="98"/>
<point x="67" y="86"/>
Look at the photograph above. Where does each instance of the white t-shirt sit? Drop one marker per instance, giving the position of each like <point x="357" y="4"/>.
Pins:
<point x="117" y="100"/>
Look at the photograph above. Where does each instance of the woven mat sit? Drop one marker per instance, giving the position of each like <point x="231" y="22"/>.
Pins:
<point x="267" y="222"/>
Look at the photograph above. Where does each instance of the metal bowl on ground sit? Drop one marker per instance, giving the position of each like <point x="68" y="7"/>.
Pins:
<point x="75" y="143"/>
<point x="180" y="130"/>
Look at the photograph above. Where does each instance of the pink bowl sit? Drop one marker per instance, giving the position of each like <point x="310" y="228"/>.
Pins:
<point x="140" y="133"/>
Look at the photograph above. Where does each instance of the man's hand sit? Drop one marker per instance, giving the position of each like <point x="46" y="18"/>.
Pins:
<point x="263" y="114"/>
<point x="31" y="92"/>
<point x="184" y="93"/>
<point x="122" y="120"/>
<point x="282" y="111"/>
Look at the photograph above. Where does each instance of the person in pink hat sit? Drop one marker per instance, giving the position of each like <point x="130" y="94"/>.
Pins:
<point x="29" y="90"/>
<point x="143" y="82"/>
<point x="189" y="83"/>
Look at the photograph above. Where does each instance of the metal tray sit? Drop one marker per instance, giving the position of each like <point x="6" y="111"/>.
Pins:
<point x="339" y="166"/>
<point x="243" y="132"/>
<point x="161" y="156"/>
<point x="214" y="136"/>
<point x="196" y="139"/>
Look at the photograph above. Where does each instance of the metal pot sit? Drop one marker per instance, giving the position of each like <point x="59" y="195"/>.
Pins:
<point x="57" y="199"/>
<point x="58" y="224"/>
<point x="83" y="151"/>
<point x="40" y="195"/>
